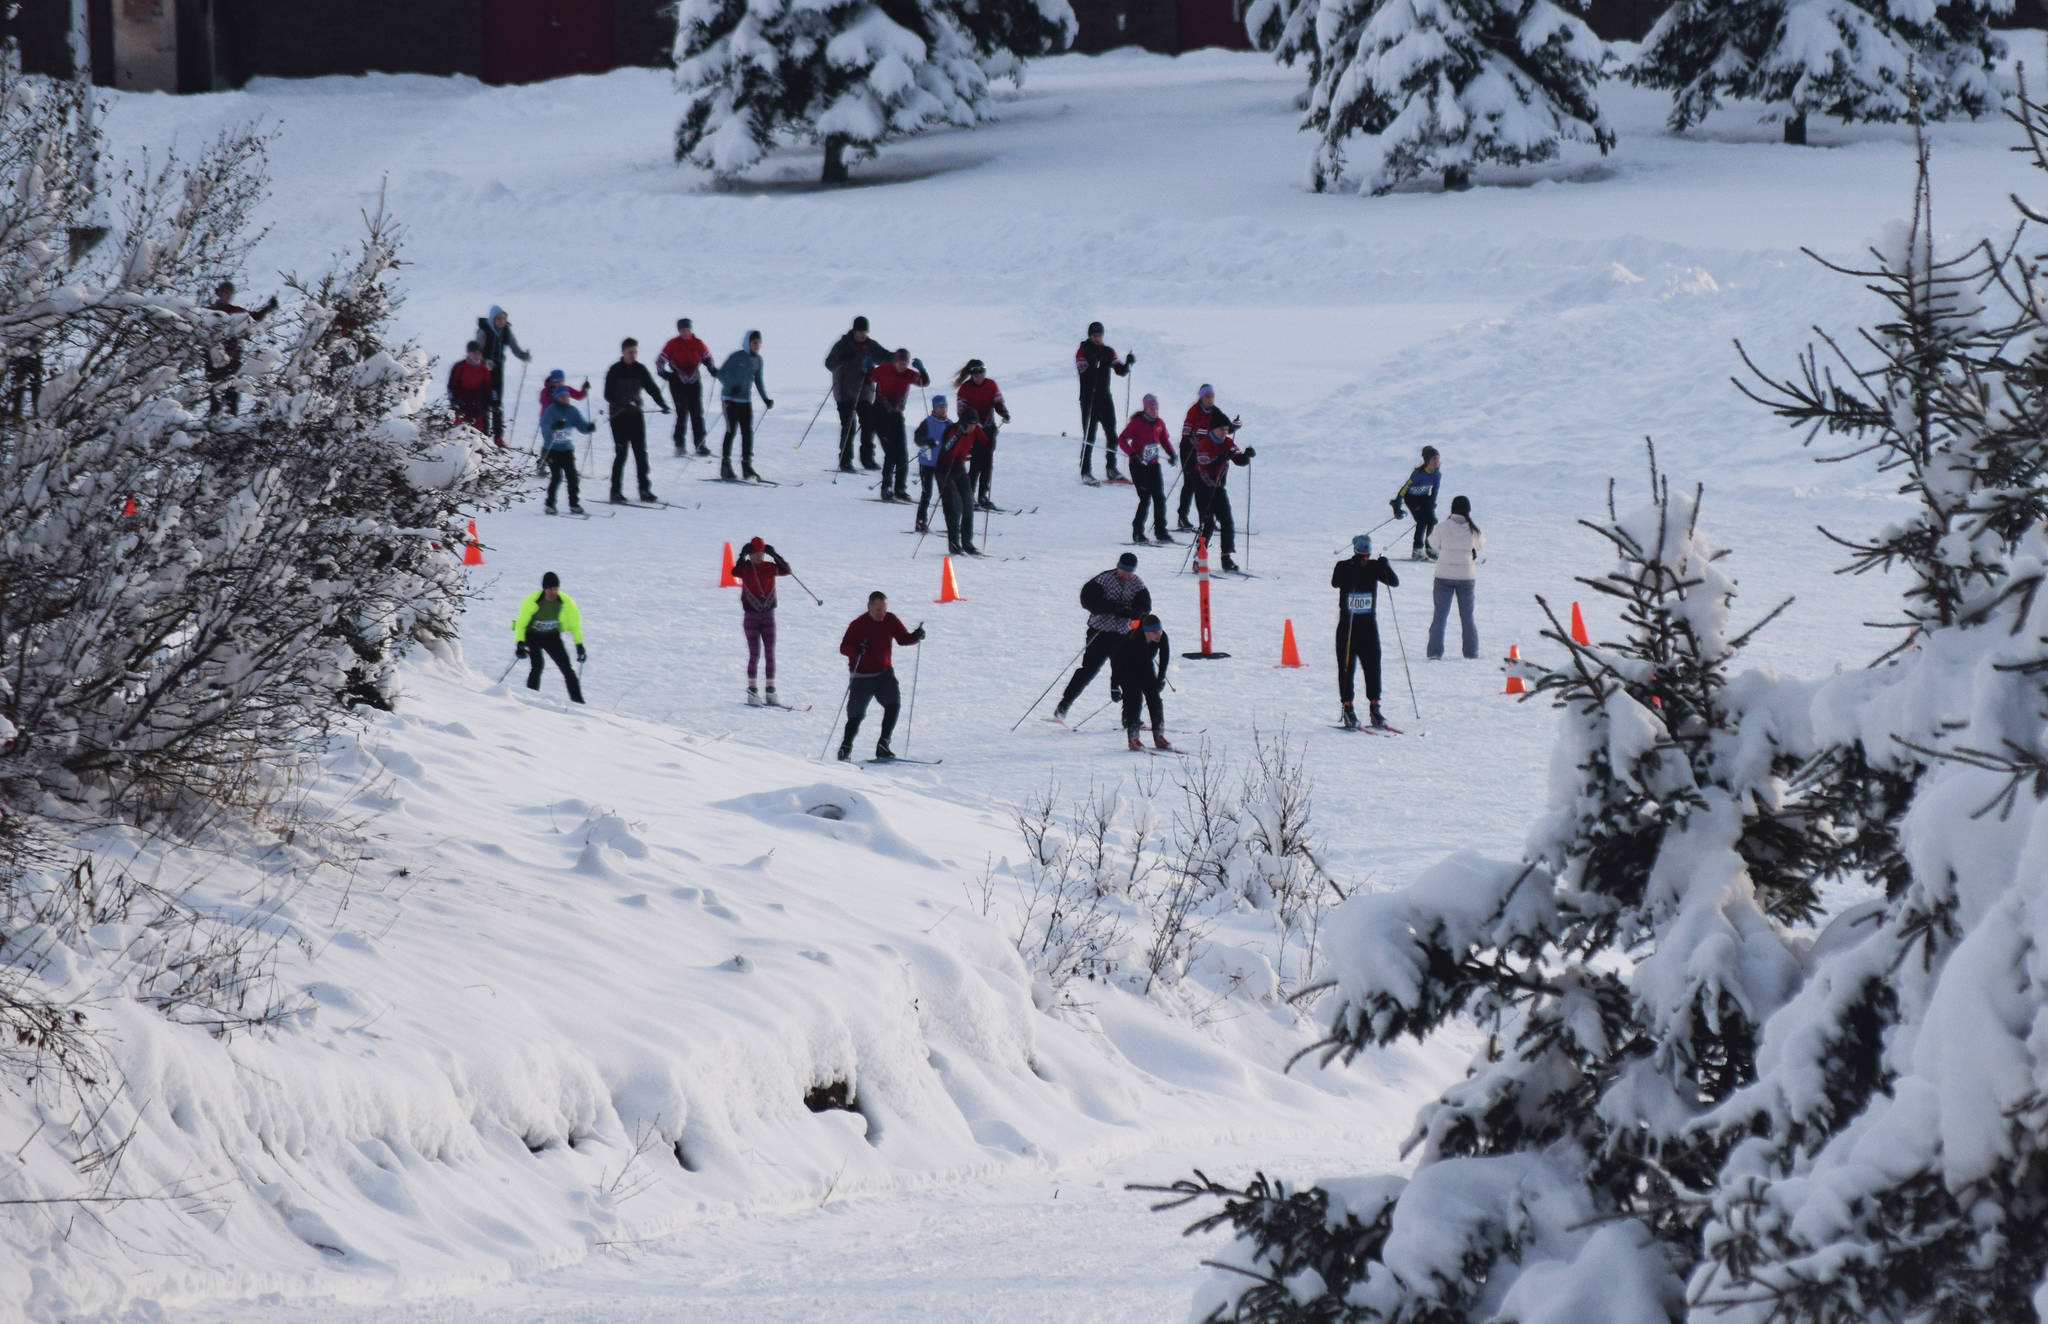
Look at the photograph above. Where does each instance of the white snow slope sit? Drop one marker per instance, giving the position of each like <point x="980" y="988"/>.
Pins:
<point x="611" y="941"/>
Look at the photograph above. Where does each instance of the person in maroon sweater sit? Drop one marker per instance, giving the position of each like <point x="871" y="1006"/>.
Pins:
<point x="866" y="645"/>
<point x="469" y="389"/>
<point x="1202" y="415"/>
<point x="681" y="364"/>
<point x="978" y="391"/>
<point x="1145" y="442"/>
<point x="892" y="382"/>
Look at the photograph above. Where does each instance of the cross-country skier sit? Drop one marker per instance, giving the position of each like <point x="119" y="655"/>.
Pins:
<point x="559" y="423"/>
<point x="756" y="568"/>
<point x="891" y="383"/>
<point x="227" y="360"/>
<point x="1113" y="599"/>
<point x="1093" y="363"/>
<point x="1419" y="492"/>
<point x="1145" y="442"/>
<point x="1137" y="668"/>
<point x="494" y="333"/>
<point x="979" y="392"/>
<point x="1457" y="543"/>
<point x="681" y="363"/>
<point x="866" y="645"/>
<point x="1357" y="580"/>
<point x="956" y="458"/>
<point x="623" y="383"/>
<point x="930" y="440"/>
<point x="469" y="389"/>
<point x="852" y="357"/>
<point x="1214" y="454"/>
<point x="538" y="629"/>
<point x="556" y="377"/>
<point x="739" y="376"/>
<point x="1202" y="415"/>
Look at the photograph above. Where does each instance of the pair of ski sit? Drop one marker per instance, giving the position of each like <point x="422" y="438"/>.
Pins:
<point x="785" y="707"/>
<point x="749" y="482"/>
<point x="645" y="504"/>
<point x="1089" y="480"/>
<point x="576" y="514"/>
<point x="1367" y="729"/>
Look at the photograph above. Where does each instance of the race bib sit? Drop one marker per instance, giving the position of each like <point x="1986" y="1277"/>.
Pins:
<point x="539" y="626"/>
<point x="1151" y="453"/>
<point x="1358" y="603"/>
<point x="561" y="437"/>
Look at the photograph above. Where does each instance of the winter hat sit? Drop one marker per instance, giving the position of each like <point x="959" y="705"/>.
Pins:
<point x="1362" y="544"/>
<point x="550" y="580"/>
<point x="938" y="402"/>
<point x="1128" y="561"/>
<point x="473" y="348"/>
<point x="975" y="365"/>
<point x="1151" y="622"/>
<point x="682" y="324"/>
<point x="1151" y="401"/>
<point x="1461" y="505"/>
<point x="752" y="336"/>
<point x="860" y="323"/>
<point x="902" y="355"/>
<point x="968" y="415"/>
<point x="756" y="545"/>
<point x="495" y="310"/>
<point x="557" y="375"/>
<point x="1095" y="328"/>
<point x="1206" y="390"/>
<point x="1429" y="453"/>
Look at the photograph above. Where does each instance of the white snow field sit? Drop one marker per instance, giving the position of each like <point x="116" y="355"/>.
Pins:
<point x="568" y="1002"/>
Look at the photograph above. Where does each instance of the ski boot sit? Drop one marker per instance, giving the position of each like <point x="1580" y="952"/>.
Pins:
<point x="772" y="701"/>
<point x="846" y="467"/>
<point x="1182" y="526"/>
<point x="1230" y="566"/>
<point x="619" y="499"/>
<point x="1137" y="745"/>
<point x="1059" y="714"/>
<point x="846" y="750"/>
<point x="747" y="472"/>
<point x="969" y="549"/>
<point x="1164" y="539"/>
<point x="725" y="472"/>
<point x="1349" y="721"/>
<point x="903" y="496"/>
<point x="1138" y="539"/>
<point x="869" y="463"/>
<point x="702" y="449"/>
<point x="549" y="509"/>
<point x="1159" y="740"/>
<point x="924" y="526"/>
<point x="647" y="495"/>
<point x="753" y="697"/>
<point x="576" y="509"/>
<point x="882" y="750"/>
<point x="1378" y="721"/>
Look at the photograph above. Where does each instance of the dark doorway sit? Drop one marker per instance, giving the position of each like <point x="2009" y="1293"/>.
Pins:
<point x="1212" y="23"/>
<point x="528" y="40"/>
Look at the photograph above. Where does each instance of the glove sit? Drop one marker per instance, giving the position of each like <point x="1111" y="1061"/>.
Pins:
<point x="769" y="548"/>
<point x="519" y="649"/>
<point x="1131" y="360"/>
<point x="1116" y="694"/>
<point x="766" y="401"/>
<point x="1395" y="506"/>
<point x="918" y="634"/>
<point x="917" y="364"/>
<point x="1005" y="413"/>
<point x="586" y="386"/>
<point x="1250" y="451"/>
<point x="526" y="356"/>
<point x="581" y="656"/>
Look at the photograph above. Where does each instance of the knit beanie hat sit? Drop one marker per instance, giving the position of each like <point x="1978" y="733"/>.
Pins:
<point x="550" y="580"/>
<point x="1362" y="544"/>
<point x="1128" y="561"/>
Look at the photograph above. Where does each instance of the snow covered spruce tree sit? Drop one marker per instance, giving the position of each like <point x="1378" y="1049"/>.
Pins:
<point x="1446" y="85"/>
<point x="1857" y="60"/>
<point x="1622" y="971"/>
<point x="1287" y="28"/>
<point x="850" y="74"/>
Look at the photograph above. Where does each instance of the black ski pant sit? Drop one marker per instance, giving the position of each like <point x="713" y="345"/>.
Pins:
<point x="929" y="478"/>
<point x="1188" y="481"/>
<point x="629" y="433"/>
<point x="1215" y="506"/>
<point x="689" y="397"/>
<point x="739" y="417"/>
<point x="1141" y="688"/>
<point x="881" y="687"/>
<point x="1101" y="643"/>
<point x="1421" y="509"/>
<point x="542" y="645"/>
<point x="981" y="466"/>
<point x="1151" y="489"/>
<point x="1358" y="640"/>
<point x="895" y="452"/>
<point x="958" y="501"/>
<point x="562" y="464"/>
<point x="1099" y="412"/>
<point x="498" y="400"/>
<point x="856" y="417"/>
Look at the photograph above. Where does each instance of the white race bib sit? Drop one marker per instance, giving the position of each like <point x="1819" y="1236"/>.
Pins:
<point x="1151" y="453"/>
<point x="562" y="435"/>
<point x="1359" y="603"/>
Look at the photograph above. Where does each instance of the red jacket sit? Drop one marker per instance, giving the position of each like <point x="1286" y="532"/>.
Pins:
<point x="757" y="581"/>
<point x="1213" y="457"/>
<point x="682" y="356"/>
<point x="469" y="383"/>
<point x="1140" y="434"/>
<point x="892" y="384"/>
<point x="547" y="393"/>
<point x="986" y="399"/>
<point x="876" y="637"/>
<point x="1196" y="425"/>
<point x="959" y="449"/>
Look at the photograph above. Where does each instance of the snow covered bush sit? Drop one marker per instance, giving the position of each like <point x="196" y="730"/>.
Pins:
<point x="1445" y="85"/>
<point x="849" y="74"/>
<point x="1857" y="60"/>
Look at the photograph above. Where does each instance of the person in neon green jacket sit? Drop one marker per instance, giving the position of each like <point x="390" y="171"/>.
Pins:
<point x="538" y="629"/>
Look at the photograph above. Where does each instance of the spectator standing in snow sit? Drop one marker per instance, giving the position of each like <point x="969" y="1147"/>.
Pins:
<point x="979" y="392"/>
<point x="1419" y="492"/>
<point x="1455" y="545"/>
<point x="1214" y="454"/>
<point x="1201" y="417"/>
<point x="1093" y="363"/>
<point x="681" y="364"/>
<point x="756" y="568"/>
<point x="930" y="440"/>
<point x="227" y="356"/>
<point x="537" y="633"/>
<point x="866" y="646"/>
<point x="1357" y="579"/>
<point x="469" y="389"/>
<point x="852" y="357"/>
<point x="559" y="424"/>
<point x="739" y="377"/>
<point x="1145" y="442"/>
<point x="891" y="383"/>
<point x="1137" y="669"/>
<point x="1113" y="600"/>
<point x="494" y="333"/>
<point x="623" y="383"/>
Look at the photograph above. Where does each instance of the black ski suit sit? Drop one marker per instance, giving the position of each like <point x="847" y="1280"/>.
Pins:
<point x="623" y="383"/>
<point x="850" y="361"/>
<point x="1134" y="672"/>
<point x="1112" y="604"/>
<point x="496" y="343"/>
<point x="1094" y="363"/>
<point x="1358" y="631"/>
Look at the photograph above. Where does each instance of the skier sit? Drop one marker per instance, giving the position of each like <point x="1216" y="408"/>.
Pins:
<point x="558" y="422"/>
<point x="1456" y="544"/>
<point x="978" y="391"/>
<point x="469" y="389"/>
<point x="956" y="457"/>
<point x="681" y="364"/>
<point x="556" y="377"/>
<point x="1132" y="672"/>
<point x="740" y="376"/>
<point x="537" y="633"/>
<point x="1113" y="599"/>
<point x="756" y="568"/>
<point x="1358" y="628"/>
<point x="494" y="333"/>
<point x="852" y="357"/>
<point x="226" y="360"/>
<point x="1145" y="442"/>
<point x="931" y="440"/>
<point x="889" y="385"/>
<point x="1214" y="454"/>
<point x="1419" y="492"/>
<point x="623" y="383"/>
<point x="1202" y="415"/>
<point x="866" y="645"/>
<point x="1093" y="363"/>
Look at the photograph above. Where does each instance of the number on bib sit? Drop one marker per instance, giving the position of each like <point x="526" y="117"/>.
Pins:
<point x="1359" y="602"/>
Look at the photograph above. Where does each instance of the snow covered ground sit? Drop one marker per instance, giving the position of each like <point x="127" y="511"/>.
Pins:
<point x="557" y="965"/>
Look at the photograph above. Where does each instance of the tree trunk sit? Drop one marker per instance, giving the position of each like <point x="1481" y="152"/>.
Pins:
<point x="1457" y="178"/>
<point x="835" y="159"/>
<point x="1795" y="130"/>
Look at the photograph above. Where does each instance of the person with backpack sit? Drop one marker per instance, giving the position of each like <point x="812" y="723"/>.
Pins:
<point x="1093" y="363"/>
<point x="1137" y="669"/>
<point x="956" y="456"/>
<point x="739" y="377"/>
<point x="469" y="389"/>
<point x="1419" y="493"/>
<point x="1456" y="544"/>
<point x="1214" y="454"/>
<point x="494" y="333"/>
<point x="871" y="678"/>
<point x="852" y="357"/>
<point x="544" y="617"/>
<point x="1145" y="442"/>
<point x="930" y="440"/>
<point x="623" y="383"/>
<point x="559" y="424"/>
<point x="1113" y="599"/>
<point x="681" y="363"/>
<point x="1201" y="417"/>
<point x="890" y="383"/>
<point x="1357" y="580"/>
<point x="979" y="392"/>
<point x="756" y="568"/>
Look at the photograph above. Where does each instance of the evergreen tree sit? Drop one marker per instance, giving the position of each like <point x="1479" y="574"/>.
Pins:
<point x="1855" y="59"/>
<point x="1287" y="28"/>
<point x="1449" y="84"/>
<point x="849" y="74"/>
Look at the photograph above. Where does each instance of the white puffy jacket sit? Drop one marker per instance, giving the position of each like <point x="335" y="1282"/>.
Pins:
<point x="1457" y="546"/>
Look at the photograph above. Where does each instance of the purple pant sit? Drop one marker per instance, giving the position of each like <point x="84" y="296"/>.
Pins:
<point x="760" y="628"/>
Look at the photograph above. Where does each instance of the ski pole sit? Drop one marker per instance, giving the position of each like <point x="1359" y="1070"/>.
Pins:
<point x="506" y="672"/>
<point x="910" y="718"/>
<point x="807" y="588"/>
<point x="844" y="699"/>
<point x="518" y="399"/>
<point x="1048" y="689"/>
<point x="1097" y="713"/>
<point x="1247" y="517"/>
<point x="1392" y="611"/>
<point x="814" y="421"/>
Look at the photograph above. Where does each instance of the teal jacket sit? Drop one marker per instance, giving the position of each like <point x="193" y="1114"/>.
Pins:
<point x="557" y="421"/>
<point x="740" y="374"/>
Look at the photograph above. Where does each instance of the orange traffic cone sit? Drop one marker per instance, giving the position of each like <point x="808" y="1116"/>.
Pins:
<point x="725" y="576"/>
<point x="1579" y="635"/>
<point x="949" y="587"/>
<point x="1290" y="656"/>
<point x="472" y="554"/>
<point x="1515" y="685"/>
<point x="128" y="508"/>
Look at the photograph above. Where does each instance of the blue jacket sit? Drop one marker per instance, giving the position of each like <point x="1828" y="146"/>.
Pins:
<point x="557" y="421"/>
<point x="740" y="374"/>
<point x="1422" y="484"/>
<point x="931" y="435"/>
